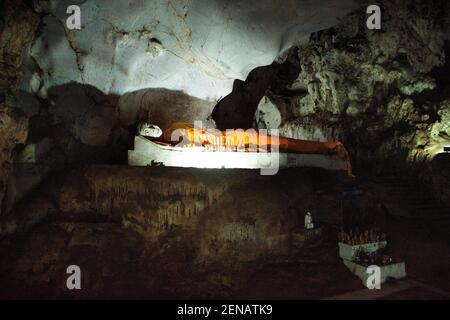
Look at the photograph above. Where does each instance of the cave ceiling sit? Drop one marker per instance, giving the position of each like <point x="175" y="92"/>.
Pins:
<point x="198" y="47"/>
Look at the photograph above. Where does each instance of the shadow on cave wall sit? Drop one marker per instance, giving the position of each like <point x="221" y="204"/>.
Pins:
<point x="76" y="119"/>
<point x="78" y="124"/>
<point x="441" y="92"/>
<point x="88" y="126"/>
<point x="162" y="107"/>
<point x="75" y="125"/>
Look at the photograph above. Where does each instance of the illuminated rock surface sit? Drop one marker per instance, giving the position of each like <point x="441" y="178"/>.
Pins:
<point x="384" y="94"/>
<point x="198" y="47"/>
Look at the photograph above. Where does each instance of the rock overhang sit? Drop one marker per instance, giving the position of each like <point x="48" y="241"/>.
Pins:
<point x="198" y="47"/>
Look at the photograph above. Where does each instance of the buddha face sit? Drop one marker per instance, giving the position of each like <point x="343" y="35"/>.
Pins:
<point x="149" y="130"/>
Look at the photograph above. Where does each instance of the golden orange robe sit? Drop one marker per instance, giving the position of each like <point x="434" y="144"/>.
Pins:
<point x="186" y="135"/>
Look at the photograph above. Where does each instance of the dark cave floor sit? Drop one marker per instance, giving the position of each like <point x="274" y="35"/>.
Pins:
<point x="192" y="257"/>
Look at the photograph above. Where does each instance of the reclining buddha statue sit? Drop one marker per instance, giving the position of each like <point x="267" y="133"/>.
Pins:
<point x="187" y="135"/>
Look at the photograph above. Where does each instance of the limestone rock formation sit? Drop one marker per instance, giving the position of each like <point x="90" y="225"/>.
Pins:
<point x="13" y="131"/>
<point x="182" y="222"/>
<point x="378" y="91"/>
<point x="18" y="27"/>
<point x="17" y="30"/>
<point x="195" y="47"/>
<point x="237" y="109"/>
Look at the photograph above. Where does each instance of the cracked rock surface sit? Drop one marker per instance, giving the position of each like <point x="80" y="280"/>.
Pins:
<point x="198" y="47"/>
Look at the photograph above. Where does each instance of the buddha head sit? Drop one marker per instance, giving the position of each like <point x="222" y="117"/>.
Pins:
<point x="149" y="130"/>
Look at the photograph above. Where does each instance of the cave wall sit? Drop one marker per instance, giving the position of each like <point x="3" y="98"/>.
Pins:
<point x="382" y="92"/>
<point x="18" y="25"/>
<point x="175" y="230"/>
<point x="237" y="109"/>
<point x="213" y="217"/>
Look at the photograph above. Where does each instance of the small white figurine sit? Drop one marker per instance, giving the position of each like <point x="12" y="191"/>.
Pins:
<point x="309" y="221"/>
